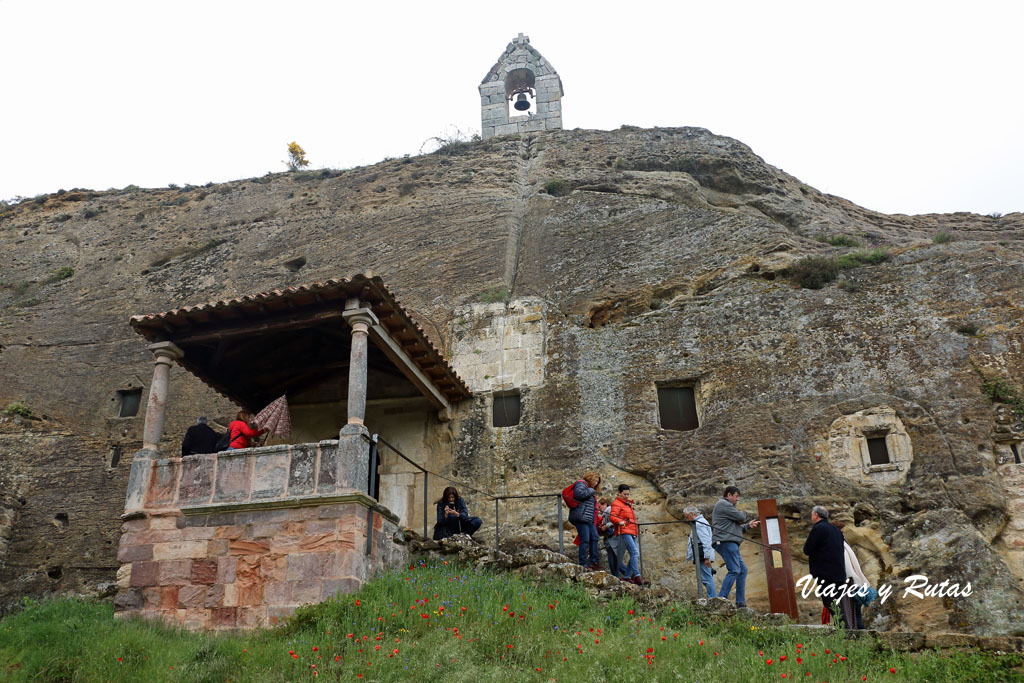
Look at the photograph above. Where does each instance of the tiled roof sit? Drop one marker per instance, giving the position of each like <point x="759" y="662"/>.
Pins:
<point x="251" y="308"/>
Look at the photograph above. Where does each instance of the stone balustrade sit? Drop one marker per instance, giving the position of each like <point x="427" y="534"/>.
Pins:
<point x="239" y="539"/>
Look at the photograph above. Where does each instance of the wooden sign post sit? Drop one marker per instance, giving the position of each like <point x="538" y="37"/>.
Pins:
<point x="777" y="566"/>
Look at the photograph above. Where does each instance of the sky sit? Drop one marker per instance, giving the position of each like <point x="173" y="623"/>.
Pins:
<point x="898" y="106"/>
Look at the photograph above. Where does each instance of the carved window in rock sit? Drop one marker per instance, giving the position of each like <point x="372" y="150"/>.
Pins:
<point x="1015" y="449"/>
<point x="878" y="453"/>
<point x="505" y="409"/>
<point x="677" y="408"/>
<point x="128" y="402"/>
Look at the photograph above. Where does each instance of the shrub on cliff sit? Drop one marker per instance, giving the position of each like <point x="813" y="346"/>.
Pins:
<point x="813" y="272"/>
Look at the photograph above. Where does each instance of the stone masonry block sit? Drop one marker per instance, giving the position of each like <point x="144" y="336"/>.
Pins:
<point x="226" y="569"/>
<point x="302" y="475"/>
<point x="217" y="547"/>
<point x="224" y="617"/>
<point x="317" y="542"/>
<point x="124" y="576"/>
<point x="351" y="563"/>
<point x="134" y="553"/>
<point x="191" y="597"/>
<point x="179" y="550"/>
<point x="203" y="572"/>
<point x="144" y="574"/>
<point x="270" y="475"/>
<point x="309" y="566"/>
<point x="163" y="522"/>
<point x="175" y="572"/>
<point x="198" y="533"/>
<point x="196" y="485"/>
<point x="214" y="596"/>
<point x="277" y="593"/>
<point x="242" y="547"/>
<point x="332" y="587"/>
<point x="234" y="478"/>
<point x="230" y="595"/>
<point x="305" y="591"/>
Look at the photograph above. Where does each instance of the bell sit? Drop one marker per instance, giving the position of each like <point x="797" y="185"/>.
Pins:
<point x="522" y="104"/>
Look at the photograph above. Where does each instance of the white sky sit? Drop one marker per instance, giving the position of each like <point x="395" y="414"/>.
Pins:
<point x="899" y="106"/>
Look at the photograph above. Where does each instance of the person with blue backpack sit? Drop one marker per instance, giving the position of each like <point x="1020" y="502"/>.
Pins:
<point x="582" y="513"/>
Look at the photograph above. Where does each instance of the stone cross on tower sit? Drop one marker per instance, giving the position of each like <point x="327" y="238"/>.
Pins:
<point x="524" y="84"/>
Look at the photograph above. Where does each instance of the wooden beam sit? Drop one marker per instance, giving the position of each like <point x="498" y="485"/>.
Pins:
<point x="250" y="328"/>
<point x="400" y="358"/>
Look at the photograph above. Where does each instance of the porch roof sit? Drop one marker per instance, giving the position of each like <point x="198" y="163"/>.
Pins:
<point x="253" y="348"/>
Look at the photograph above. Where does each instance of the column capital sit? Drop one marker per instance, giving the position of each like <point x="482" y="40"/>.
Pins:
<point x="166" y="349"/>
<point x="360" y="316"/>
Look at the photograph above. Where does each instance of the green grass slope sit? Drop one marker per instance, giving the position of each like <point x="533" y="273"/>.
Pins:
<point x="449" y="623"/>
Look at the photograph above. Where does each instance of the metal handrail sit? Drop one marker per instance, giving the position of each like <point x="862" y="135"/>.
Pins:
<point x="375" y="439"/>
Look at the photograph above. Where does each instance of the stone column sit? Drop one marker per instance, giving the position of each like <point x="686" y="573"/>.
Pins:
<point x="164" y="353"/>
<point x="360" y="319"/>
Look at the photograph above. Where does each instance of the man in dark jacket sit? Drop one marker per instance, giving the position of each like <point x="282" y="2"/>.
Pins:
<point x="199" y="438"/>
<point x="825" y="557"/>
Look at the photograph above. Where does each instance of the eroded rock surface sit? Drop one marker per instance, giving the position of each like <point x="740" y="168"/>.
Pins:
<point x="658" y="263"/>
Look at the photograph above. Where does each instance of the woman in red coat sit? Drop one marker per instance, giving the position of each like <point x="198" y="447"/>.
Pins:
<point x="241" y="432"/>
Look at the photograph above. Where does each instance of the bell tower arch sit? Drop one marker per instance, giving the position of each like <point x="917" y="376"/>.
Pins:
<point x="521" y="93"/>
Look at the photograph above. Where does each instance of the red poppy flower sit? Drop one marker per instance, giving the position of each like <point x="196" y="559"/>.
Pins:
<point x="891" y="670"/>
<point x="782" y="658"/>
<point x="769" y="662"/>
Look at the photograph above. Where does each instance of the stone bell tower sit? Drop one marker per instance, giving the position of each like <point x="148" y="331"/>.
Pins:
<point x="521" y="93"/>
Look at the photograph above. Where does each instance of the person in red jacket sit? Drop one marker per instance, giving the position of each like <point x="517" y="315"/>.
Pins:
<point x="624" y="519"/>
<point x="241" y="432"/>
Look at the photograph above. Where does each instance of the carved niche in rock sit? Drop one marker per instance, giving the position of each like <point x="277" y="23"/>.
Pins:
<point x="870" y="447"/>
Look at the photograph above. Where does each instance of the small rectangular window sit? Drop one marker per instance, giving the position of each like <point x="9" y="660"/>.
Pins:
<point x="505" y="410"/>
<point x="128" y="402"/>
<point x="878" y="451"/>
<point x="1016" y="453"/>
<point x="677" y="407"/>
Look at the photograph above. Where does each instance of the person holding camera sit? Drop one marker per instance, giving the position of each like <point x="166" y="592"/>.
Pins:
<point x="453" y="516"/>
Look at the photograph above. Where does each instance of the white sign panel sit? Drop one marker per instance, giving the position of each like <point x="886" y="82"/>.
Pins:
<point x="771" y="525"/>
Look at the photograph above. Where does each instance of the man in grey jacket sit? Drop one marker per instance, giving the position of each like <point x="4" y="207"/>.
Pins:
<point x="699" y="548"/>
<point x="727" y="534"/>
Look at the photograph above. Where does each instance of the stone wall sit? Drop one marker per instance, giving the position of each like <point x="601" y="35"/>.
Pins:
<point x="242" y="537"/>
<point x="520" y="64"/>
<point x="249" y="566"/>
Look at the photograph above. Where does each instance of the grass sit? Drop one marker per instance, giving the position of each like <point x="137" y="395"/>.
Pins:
<point x="450" y="623"/>
<point x="999" y="390"/>
<point x="557" y="187"/>
<point x="494" y="296"/>
<point x="814" y="272"/>
<point x="18" y="408"/>
<point x="838" y="240"/>
<point x="60" y="274"/>
<point x="943" y="237"/>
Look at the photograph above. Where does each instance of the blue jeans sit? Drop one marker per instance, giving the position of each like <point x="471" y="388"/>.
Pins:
<point x="704" y="575"/>
<point x="737" y="574"/>
<point x="588" y="543"/>
<point x="633" y="568"/>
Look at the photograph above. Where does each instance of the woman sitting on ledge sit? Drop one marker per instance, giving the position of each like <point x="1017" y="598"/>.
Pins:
<point x="241" y="432"/>
<point x="453" y="516"/>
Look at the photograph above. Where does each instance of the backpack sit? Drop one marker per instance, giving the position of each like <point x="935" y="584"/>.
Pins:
<point x="568" y="497"/>
<point x="223" y="442"/>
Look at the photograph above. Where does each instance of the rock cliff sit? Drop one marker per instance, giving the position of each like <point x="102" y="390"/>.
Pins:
<point x="627" y="262"/>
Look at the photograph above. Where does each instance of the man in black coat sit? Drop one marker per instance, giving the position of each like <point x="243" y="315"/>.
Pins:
<point x="199" y="438"/>
<point x="826" y="559"/>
